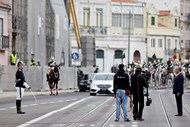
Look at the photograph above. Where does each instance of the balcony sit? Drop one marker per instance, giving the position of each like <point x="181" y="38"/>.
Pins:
<point x="91" y="30"/>
<point x="4" y="42"/>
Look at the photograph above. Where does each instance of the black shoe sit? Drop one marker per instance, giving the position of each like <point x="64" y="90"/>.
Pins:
<point x="116" y="120"/>
<point x="140" y="119"/>
<point x="20" y="112"/>
<point x="178" y="115"/>
<point x="127" y="120"/>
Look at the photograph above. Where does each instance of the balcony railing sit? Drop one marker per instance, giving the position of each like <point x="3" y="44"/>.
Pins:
<point x="92" y="30"/>
<point x="5" y="41"/>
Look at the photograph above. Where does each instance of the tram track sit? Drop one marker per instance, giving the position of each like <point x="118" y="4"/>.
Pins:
<point x="93" y="111"/>
<point x="169" y="121"/>
<point x="165" y="112"/>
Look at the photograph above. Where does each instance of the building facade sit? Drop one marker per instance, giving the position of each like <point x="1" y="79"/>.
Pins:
<point x="185" y="28"/>
<point x="163" y="34"/>
<point x="38" y="30"/>
<point x="5" y="31"/>
<point x="118" y="27"/>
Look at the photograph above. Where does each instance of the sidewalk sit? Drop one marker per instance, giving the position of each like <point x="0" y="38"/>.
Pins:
<point x="9" y="94"/>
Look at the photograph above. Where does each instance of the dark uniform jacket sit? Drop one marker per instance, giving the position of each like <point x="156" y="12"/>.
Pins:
<point x="138" y="81"/>
<point x="20" y="78"/>
<point x="178" y="84"/>
<point x="121" y="81"/>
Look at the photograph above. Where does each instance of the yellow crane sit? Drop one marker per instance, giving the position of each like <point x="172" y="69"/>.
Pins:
<point x="72" y="11"/>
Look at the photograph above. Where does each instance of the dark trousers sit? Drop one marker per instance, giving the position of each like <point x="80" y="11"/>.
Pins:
<point x="179" y="104"/>
<point x="138" y="106"/>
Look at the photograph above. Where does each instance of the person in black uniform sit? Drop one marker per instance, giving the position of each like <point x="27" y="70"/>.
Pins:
<point x="178" y="89"/>
<point x="121" y="84"/>
<point x="20" y="86"/>
<point x="138" y="81"/>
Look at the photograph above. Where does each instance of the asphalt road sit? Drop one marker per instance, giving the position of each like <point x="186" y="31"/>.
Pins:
<point x="77" y="109"/>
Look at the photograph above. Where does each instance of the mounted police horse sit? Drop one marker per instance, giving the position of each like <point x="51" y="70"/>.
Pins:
<point x="53" y="78"/>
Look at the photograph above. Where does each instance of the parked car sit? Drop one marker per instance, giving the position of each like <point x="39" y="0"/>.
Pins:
<point x="102" y="83"/>
<point x="85" y="82"/>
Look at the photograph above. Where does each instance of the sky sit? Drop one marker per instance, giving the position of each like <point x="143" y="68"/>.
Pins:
<point x="164" y="4"/>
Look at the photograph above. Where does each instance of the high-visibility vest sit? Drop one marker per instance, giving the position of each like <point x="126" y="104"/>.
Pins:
<point x="13" y="58"/>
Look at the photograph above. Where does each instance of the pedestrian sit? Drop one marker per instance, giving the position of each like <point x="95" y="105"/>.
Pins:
<point x="96" y="70"/>
<point x="178" y="89"/>
<point x="20" y="86"/>
<point x="121" y="84"/>
<point x="13" y="58"/>
<point x="138" y="81"/>
<point x="32" y="62"/>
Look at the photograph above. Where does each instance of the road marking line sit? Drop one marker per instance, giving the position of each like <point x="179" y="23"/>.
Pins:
<point x="43" y="103"/>
<point x="2" y="109"/>
<point x="12" y="107"/>
<point x="59" y="101"/>
<point x="33" y="104"/>
<point x="50" y="113"/>
<point x="52" y="102"/>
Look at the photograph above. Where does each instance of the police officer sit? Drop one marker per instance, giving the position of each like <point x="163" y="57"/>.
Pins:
<point x="13" y="58"/>
<point x="20" y="86"/>
<point x="121" y="84"/>
<point x="137" y="83"/>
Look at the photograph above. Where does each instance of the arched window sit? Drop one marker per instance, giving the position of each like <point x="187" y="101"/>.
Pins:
<point x="100" y="59"/>
<point x="137" y="56"/>
<point x="118" y="57"/>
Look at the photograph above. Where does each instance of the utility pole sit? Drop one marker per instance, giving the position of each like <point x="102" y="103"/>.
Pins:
<point x="129" y="32"/>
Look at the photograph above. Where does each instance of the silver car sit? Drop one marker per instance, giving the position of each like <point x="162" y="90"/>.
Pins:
<point x="102" y="83"/>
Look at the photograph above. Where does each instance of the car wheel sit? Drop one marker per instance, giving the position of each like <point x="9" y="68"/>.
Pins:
<point x="82" y="90"/>
<point x="92" y="94"/>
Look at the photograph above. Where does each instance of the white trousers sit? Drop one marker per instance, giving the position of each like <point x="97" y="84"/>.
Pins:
<point x="19" y="93"/>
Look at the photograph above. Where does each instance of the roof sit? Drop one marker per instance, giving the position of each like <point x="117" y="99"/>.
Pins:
<point x="164" y="12"/>
<point x="5" y="6"/>
<point x="125" y="1"/>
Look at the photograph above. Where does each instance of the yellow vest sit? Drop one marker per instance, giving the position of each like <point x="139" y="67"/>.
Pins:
<point x="13" y="58"/>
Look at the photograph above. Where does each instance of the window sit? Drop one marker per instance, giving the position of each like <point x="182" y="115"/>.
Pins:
<point x="100" y="59"/>
<point x="176" y="45"/>
<point x="160" y="43"/>
<point x="153" y="43"/>
<point x="169" y="47"/>
<point x="126" y="18"/>
<point x="99" y="17"/>
<point x="1" y="33"/>
<point x="176" y="22"/>
<point x="118" y="57"/>
<point x="116" y="20"/>
<point x="153" y="23"/>
<point x="86" y="16"/>
<point x="118" y="54"/>
<point x="138" y="21"/>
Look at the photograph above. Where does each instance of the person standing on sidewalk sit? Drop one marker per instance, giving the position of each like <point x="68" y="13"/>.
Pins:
<point x="121" y="84"/>
<point x="20" y="86"/>
<point x="178" y="89"/>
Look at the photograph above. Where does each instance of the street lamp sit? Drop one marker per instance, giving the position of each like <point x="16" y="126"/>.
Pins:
<point x="129" y="38"/>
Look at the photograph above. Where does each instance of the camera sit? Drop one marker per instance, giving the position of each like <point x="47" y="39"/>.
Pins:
<point x="148" y="101"/>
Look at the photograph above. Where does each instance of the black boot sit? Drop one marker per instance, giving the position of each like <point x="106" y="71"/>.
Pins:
<point x="18" y="106"/>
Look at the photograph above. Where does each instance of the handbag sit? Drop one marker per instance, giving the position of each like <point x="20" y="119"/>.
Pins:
<point x="128" y="92"/>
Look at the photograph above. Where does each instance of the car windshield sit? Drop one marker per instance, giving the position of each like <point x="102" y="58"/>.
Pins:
<point x="103" y="77"/>
<point x="88" y="76"/>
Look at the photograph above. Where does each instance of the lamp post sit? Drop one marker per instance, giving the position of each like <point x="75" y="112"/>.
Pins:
<point x="129" y="38"/>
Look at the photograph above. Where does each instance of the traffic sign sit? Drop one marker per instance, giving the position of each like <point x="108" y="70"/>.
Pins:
<point x="75" y="56"/>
